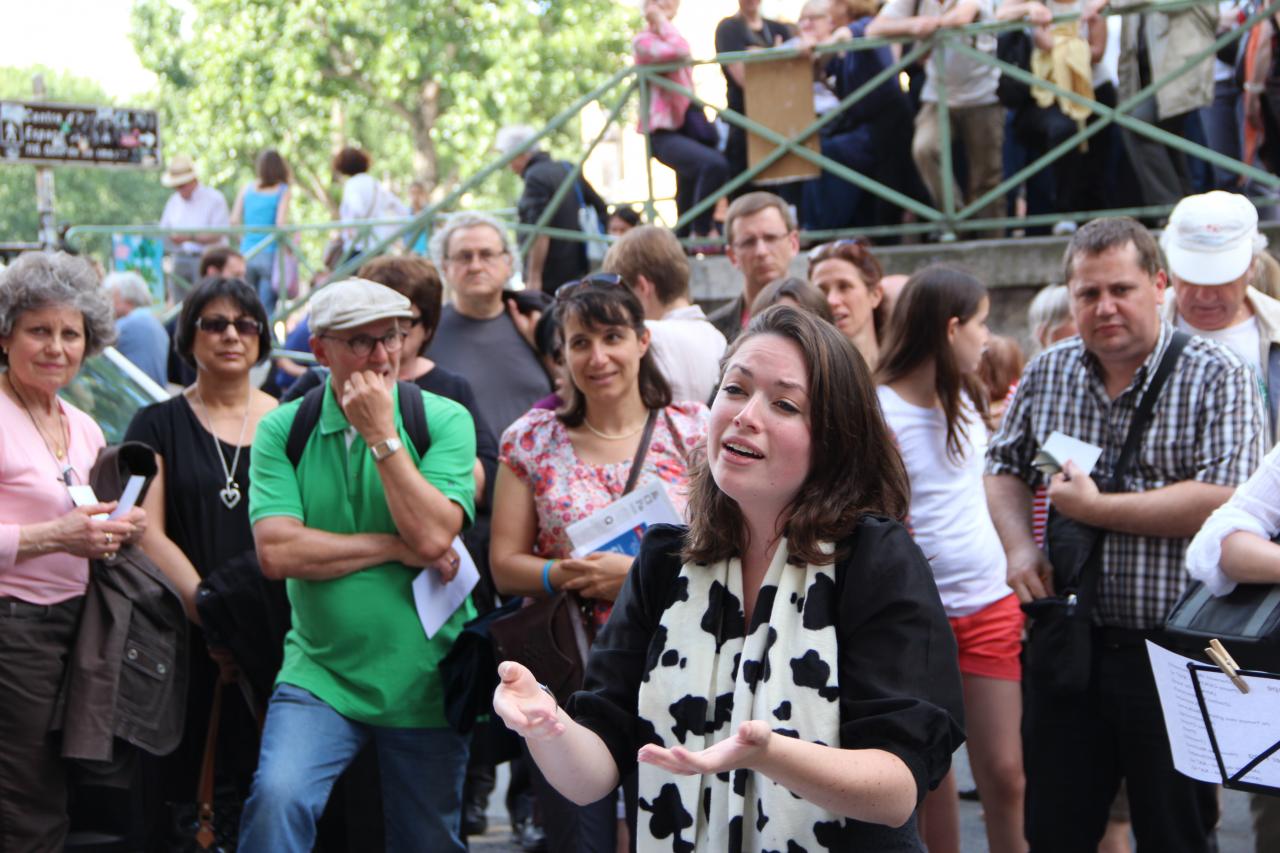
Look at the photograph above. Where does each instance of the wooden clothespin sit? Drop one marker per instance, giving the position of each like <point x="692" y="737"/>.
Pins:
<point x="1219" y="655"/>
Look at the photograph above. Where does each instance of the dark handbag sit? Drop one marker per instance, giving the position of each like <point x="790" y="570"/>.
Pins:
<point x="1059" y="642"/>
<point x="1014" y="48"/>
<point x="1248" y="615"/>
<point x="212" y="822"/>
<point x="551" y="636"/>
<point x="1059" y="648"/>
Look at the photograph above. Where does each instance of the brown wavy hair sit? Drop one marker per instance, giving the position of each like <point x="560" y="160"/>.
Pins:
<point x="918" y="333"/>
<point x="856" y="251"/>
<point x="854" y="469"/>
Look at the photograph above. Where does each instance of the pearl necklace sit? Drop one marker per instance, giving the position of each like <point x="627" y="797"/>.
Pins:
<point x="607" y="437"/>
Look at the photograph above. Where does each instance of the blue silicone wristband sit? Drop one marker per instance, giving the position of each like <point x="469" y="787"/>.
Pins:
<point x="546" y="578"/>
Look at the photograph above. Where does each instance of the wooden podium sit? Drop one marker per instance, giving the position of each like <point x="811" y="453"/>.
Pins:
<point x="779" y="95"/>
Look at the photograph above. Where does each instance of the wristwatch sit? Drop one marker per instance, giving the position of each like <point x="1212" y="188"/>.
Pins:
<point x="385" y="448"/>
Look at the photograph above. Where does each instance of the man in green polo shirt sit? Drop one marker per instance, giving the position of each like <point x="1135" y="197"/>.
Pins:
<point x="350" y="527"/>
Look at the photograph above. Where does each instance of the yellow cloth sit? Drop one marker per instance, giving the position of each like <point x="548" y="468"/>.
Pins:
<point x="1067" y="65"/>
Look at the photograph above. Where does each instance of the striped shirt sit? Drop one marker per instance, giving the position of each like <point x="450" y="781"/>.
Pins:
<point x="1207" y="426"/>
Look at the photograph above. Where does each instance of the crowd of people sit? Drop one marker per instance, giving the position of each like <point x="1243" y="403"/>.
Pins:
<point x="859" y="582"/>
<point x="998" y="124"/>
<point x="854" y="458"/>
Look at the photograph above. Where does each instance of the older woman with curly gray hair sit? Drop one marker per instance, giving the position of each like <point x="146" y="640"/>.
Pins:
<point x="52" y="315"/>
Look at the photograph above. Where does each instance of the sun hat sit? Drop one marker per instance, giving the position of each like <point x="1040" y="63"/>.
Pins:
<point x="1212" y="238"/>
<point x="181" y="170"/>
<point x="353" y="302"/>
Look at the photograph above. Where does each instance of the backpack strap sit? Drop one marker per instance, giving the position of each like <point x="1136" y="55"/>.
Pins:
<point x="304" y="423"/>
<point x="413" y="413"/>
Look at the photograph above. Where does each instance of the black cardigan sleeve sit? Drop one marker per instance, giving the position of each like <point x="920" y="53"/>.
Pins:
<point x="899" y="677"/>
<point x="899" y="673"/>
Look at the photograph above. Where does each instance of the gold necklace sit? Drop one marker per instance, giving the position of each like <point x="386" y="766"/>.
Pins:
<point x="607" y="437"/>
<point x="59" y="451"/>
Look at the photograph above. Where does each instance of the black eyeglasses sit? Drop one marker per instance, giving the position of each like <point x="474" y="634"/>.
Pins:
<point x="600" y="279"/>
<point x="484" y="256"/>
<point x="216" y="325"/>
<point x="362" y="345"/>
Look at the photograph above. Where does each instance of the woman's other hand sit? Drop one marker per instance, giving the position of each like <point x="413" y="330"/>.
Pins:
<point x="599" y="575"/>
<point x="446" y="565"/>
<point x="524" y="706"/>
<point x="137" y="516"/>
<point x="743" y="750"/>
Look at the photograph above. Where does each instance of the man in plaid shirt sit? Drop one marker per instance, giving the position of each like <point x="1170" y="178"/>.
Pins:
<point x="1205" y="437"/>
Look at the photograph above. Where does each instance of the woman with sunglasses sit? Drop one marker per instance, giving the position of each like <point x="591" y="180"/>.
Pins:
<point x="562" y="466"/>
<point x="199" y="502"/>
<point x="933" y="398"/>
<point x="849" y="275"/>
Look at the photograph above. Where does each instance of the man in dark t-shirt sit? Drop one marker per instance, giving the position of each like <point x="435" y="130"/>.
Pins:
<point x="747" y="30"/>
<point x="477" y="336"/>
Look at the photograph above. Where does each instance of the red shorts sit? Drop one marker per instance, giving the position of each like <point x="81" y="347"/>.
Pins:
<point x="990" y="640"/>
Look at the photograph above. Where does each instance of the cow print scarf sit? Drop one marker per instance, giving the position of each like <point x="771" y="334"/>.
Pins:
<point x="712" y="676"/>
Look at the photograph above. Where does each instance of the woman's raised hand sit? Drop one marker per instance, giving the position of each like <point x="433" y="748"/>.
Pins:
<point x="742" y="750"/>
<point x="524" y="706"/>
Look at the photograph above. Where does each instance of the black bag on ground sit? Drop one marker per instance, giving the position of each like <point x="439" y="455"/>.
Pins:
<point x="1059" y="647"/>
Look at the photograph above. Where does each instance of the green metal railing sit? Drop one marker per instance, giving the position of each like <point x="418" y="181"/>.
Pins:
<point x="947" y="220"/>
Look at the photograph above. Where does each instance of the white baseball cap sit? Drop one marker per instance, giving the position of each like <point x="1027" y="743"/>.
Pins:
<point x="1212" y="238"/>
<point x="353" y="302"/>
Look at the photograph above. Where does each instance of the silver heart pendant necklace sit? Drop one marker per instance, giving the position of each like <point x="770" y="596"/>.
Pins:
<point x="230" y="493"/>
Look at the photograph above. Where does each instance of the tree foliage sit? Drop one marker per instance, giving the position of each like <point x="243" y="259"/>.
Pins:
<point x="84" y="194"/>
<point x="423" y="86"/>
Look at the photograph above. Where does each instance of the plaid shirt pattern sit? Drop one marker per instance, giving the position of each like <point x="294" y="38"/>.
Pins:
<point x="1207" y="426"/>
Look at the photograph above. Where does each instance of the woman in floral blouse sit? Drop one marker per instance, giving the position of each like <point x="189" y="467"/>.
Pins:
<point x="560" y="467"/>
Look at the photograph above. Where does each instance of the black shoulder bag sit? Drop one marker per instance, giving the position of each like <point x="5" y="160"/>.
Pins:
<point x="1059" y="647"/>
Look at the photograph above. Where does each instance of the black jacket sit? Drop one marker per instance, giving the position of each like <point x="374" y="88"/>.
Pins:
<point x="127" y="675"/>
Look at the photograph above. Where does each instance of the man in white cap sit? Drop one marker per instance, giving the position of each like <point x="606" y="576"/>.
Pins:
<point x="192" y="205"/>
<point x="1211" y="243"/>
<point x="350" y="524"/>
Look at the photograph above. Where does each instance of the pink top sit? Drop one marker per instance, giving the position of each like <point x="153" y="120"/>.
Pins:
<point x="32" y="491"/>
<point x="565" y="489"/>
<point x="666" y="109"/>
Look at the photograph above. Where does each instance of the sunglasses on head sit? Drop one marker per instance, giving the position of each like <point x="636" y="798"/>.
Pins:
<point x="245" y="326"/>
<point x="856" y="246"/>
<point x="600" y="279"/>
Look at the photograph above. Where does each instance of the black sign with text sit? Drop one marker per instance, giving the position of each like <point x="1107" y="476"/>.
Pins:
<point x="68" y="135"/>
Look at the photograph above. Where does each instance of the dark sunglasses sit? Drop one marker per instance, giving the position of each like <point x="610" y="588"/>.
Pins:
<point x="245" y="326"/>
<point x="600" y="279"/>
